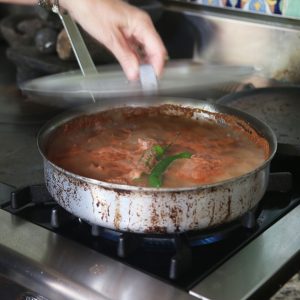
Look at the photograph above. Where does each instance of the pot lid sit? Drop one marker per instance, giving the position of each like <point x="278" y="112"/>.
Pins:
<point x="111" y="82"/>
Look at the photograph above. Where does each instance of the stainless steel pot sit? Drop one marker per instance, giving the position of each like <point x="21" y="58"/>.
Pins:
<point x="152" y="210"/>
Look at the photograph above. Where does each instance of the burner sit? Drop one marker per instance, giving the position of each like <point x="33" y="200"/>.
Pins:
<point x="167" y="241"/>
<point x="22" y="201"/>
<point x="35" y="203"/>
<point x="176" y="257"/>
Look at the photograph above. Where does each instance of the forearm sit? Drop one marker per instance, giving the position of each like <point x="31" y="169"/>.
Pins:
<point x="121" y="27"/>
<point x="27" y="2"/>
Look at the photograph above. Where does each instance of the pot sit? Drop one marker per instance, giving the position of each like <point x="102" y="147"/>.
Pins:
<point x="279" y="107"/>
<point x="159" y="210"/>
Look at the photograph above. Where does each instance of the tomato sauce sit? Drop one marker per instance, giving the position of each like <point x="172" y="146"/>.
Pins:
<point x="116" y="146"/>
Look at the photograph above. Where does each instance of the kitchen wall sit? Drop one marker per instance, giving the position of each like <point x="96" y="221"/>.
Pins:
<point x="290" y="8"/>
<point x="269" y="41"/>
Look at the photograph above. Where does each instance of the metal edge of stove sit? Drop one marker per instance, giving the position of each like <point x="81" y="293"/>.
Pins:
<point x="57" y="268"/>
<point x="249" y="270"/>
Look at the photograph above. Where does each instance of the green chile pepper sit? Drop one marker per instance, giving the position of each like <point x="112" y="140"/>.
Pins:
<point x="155" y="177"/>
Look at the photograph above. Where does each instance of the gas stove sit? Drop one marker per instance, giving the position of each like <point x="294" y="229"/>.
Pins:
<point x="49" y="254"/>
<point x="191" y="263"/>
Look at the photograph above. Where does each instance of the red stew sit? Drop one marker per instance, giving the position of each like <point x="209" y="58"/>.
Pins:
<point x="116" y="146"/>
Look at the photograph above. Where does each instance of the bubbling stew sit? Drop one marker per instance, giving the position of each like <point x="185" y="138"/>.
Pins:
<point x="165" y="146"/>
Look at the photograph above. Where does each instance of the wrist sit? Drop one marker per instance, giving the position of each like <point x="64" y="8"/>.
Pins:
<point x="64" y="4"/>
<point x="47" y="4"/>
<point x="53" y="5"/>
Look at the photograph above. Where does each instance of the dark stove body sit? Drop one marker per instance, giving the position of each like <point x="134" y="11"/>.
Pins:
<point x="47" y="254"/>
<point x="181" y="260"/>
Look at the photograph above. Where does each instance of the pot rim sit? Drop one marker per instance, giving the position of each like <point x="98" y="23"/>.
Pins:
<point x="217" y="108"/>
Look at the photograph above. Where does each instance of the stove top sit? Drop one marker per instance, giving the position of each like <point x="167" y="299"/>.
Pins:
<point x="181" y="260"/>
<point x="55" y="255"/>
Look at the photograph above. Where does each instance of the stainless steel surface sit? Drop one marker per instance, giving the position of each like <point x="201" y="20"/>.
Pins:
<point x="60" y="269"/>
<point x="9" y="290"/>
<point x="244" y="273"/>
<point x="237" y="37"/>
<point x="43" y="265"/>
<point x="20" y="162"/>
<point x="20" y="144"/>
<point x="140" y="209"/>
<point x="179" y="77"/>
<point x="81" y="52"/>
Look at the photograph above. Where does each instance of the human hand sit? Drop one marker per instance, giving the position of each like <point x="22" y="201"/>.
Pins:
<point x="123" y="29"/>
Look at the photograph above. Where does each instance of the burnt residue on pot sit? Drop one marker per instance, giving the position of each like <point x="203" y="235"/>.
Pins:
<point x="111" y="146"/>
<point x="144" y="210"/>
<point x="157" y="213"/>
<point x="64" y="188"/>
<point x="117" y="216"/>
<point x="229" y="208"/>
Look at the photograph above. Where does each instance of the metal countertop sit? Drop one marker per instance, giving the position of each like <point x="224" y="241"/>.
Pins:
<point x="20" y="120"/>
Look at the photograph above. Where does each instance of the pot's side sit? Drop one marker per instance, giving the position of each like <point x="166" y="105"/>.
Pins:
<point x="145" y="211"/>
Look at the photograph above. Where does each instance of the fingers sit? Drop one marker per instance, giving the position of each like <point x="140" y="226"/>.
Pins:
<point x="133" y="28"/>
<point x="116" y="42"/>
<point x="154" y="48"/>
<point x="155" y="52"/>
<point x="125" y="48"/>
<point x="121" y="28"/>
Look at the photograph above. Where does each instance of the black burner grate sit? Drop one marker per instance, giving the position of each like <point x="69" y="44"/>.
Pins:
<point x="182" y="259"/>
